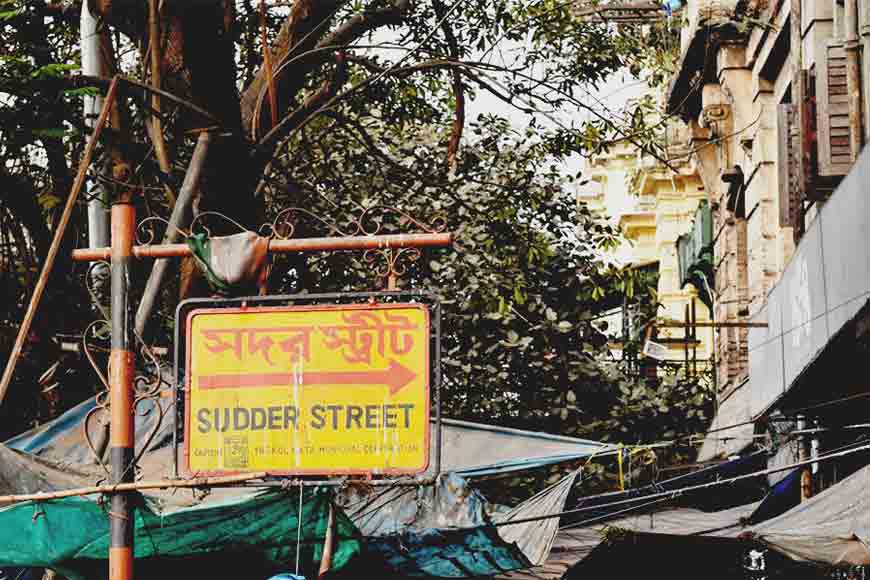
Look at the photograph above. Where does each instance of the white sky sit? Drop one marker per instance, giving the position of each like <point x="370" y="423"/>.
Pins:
<point x="615" y="92"/>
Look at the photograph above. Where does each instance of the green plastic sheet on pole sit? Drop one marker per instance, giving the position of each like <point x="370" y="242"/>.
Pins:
<point x="256" y="535"/>
<point x="695" y="254"/>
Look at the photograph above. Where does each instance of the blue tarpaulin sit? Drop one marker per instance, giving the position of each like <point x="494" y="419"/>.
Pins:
<point x="782" y="497"/>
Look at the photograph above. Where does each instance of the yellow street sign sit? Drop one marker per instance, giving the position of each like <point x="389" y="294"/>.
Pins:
<point x="308" y="389"/>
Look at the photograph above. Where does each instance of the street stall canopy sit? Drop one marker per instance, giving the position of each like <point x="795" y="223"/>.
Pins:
<point x="445" y="530"/>
<point x="263" y="530"/>
<point x="832" y="527"/>
<point x="663" y="508"/>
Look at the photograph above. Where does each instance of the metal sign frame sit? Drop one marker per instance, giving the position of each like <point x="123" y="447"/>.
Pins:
<point x="186" y="307"/>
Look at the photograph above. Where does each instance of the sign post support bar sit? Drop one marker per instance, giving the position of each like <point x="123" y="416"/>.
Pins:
<point x="121" y="371"/>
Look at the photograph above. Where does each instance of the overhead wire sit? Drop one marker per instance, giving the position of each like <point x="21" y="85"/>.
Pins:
<point x="266" y="139"/>
<point x="676" y="493"/>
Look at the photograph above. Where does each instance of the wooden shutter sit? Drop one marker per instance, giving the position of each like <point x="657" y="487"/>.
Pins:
<point x="788" y="150"/>
<point x="835" y="152"/>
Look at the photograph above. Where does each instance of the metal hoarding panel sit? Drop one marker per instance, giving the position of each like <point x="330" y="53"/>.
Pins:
<point x="824" y="286"/>
<point x="845" y="223"/>
<point x="765" y="357"/>
<point x="802" y="291"/>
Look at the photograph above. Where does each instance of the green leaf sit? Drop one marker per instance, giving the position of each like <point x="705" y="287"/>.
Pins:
<point x="83" y="92"/>
<point x="51" y="133"/>
<point x="10" y="14"/>
<point x="54" y="70"/>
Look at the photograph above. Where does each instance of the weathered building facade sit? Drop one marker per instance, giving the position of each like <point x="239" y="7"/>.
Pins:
<point x="777" y="97"/>
<point x="654" y="207"/>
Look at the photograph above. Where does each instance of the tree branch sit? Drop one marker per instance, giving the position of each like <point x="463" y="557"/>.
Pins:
<point x="302" y="40"/>
<point x="19" y="197"/>
<point x="304" y="26"/>
<point x="312" y="104"/>
<point x="458" y="87"/>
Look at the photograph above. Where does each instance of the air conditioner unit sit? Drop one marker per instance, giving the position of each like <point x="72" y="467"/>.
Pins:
<point x="655" y="350"/>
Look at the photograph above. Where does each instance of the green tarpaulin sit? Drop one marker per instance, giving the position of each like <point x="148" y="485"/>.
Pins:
<point x="259" y="531"/>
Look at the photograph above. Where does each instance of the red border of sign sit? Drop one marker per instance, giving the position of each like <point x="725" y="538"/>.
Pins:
<point x="314" y="307"/>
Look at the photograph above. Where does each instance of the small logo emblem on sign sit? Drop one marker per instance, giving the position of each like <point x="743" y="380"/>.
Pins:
<point x="236" y="452"/>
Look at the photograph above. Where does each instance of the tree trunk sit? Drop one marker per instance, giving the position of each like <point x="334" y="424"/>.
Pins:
<point x="198" y="64"/>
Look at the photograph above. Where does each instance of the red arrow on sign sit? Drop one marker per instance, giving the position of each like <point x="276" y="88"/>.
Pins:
<point x="396" y="376"/>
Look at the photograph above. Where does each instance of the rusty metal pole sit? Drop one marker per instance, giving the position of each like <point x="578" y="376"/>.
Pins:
<point x="803" y="455"/>
<point x="121" y="372"/>
<point x="347" y="243"/>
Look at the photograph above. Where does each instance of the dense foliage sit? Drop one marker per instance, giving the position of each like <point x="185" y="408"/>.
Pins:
<point x="371" y="101"/>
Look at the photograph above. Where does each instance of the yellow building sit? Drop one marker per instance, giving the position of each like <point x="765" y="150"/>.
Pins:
<point x="653" y="206"/>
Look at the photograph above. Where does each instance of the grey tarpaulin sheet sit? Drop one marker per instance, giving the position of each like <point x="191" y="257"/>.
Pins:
<point x="444" y="532"/>
<point x="731" y="430"/>
<point x="24" y="473"/>
<point x="475" y="449"/>
<point x="571" y="545"/>
<point x="832" y="528"/>
<point x="383" y="511"/>
<point x="471" y="449"/>
<point x="535" y="538"/>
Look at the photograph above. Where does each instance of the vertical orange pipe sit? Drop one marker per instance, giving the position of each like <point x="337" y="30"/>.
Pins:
<point x="121" y="371"/>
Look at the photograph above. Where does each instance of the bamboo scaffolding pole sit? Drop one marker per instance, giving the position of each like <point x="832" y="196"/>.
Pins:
<point x="181" y="215"/>
<point x="65" y="217"/>
<point x="134" y="486"/>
